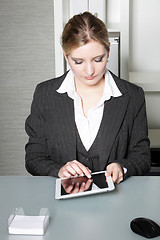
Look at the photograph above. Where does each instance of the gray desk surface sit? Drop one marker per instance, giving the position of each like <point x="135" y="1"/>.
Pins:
<point x="103" y="216"/>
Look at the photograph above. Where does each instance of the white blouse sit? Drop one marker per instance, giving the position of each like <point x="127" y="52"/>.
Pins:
<point x="88" y="126"/>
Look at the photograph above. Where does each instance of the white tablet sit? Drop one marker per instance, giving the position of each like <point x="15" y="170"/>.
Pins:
<point x="81" y="185"/>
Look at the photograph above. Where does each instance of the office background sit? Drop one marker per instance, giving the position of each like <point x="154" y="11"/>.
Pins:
<point x="27" y="57"/>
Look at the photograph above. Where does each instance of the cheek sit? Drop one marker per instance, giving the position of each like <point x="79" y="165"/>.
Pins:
<point x="101" y="68"/>
<point x="77" y="70"/>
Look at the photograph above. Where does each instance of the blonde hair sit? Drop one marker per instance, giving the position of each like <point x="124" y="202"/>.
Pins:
<point x="81" y="29"/>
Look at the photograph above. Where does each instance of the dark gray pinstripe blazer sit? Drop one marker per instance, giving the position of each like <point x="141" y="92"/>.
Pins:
<point x="52" y="138"/>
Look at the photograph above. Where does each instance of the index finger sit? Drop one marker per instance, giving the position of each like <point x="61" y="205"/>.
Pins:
<point x="84" y="169"/>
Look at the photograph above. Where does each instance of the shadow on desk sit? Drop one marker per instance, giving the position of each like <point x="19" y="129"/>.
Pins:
<point x="155" y="158"/>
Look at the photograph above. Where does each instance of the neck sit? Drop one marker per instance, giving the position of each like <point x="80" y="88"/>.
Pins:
<point x="83" y="88"/>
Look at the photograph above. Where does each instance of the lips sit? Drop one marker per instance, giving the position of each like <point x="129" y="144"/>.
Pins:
<point x="90" y="77"/>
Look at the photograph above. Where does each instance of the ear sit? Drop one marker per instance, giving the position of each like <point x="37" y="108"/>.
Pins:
<point x="108" y="53"/>
<point x="65" y="55"/>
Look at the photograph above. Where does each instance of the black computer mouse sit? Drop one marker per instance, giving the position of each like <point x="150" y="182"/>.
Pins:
<point x="145" y="227"/>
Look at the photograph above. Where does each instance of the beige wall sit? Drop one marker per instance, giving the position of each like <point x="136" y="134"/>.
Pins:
<point x="26" y="58"/>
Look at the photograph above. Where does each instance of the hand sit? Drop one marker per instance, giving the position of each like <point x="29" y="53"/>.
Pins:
<point x="76" y="185"/>
<point x="115" y="170"/>
<point x="74" y="168"/>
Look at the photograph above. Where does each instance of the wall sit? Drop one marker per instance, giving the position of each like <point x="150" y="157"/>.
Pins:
<point x="113" y="12"/>
<point x="142" y="64"/>
<point x="27" y="57"/>
<point x="144" y="35"/>
<point x="145" y="52"/>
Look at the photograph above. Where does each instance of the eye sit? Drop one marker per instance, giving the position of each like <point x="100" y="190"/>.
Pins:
<point x="78" y="61"/>
<point x="99" y="59"/>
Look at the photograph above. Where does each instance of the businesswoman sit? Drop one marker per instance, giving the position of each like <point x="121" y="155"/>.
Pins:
<point x="87" y="119"/>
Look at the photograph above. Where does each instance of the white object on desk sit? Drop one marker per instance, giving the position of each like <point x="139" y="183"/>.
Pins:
<point x="18" y="223"/>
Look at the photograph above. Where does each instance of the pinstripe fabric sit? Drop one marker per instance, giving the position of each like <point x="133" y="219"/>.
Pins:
<point x="51" y="128"/>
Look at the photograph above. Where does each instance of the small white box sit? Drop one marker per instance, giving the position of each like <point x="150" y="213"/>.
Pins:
<point x="18" y="223"/>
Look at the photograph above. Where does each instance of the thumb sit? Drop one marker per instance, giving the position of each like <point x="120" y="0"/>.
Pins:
<point x="108" y="174"/>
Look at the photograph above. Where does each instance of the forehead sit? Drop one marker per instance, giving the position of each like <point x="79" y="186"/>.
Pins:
<point x="91" y="49"/>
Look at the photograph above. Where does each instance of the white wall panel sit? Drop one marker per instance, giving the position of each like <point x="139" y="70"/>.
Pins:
<point x="77" y="6"/>
<point x="144" y="35"/>
<point x="144" y="54"/>
<point x="98" y="8"/>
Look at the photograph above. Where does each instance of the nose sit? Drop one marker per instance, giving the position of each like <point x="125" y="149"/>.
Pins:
<point x="89" y="69"/>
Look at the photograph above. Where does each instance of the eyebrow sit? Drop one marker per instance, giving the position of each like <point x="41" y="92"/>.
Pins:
<point x="73" y="58"/>
<point x="81" y="59"/>
<point x="100" y="56"/>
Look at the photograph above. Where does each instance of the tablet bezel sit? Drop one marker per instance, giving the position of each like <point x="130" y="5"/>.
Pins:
<point x="58" y="195"/>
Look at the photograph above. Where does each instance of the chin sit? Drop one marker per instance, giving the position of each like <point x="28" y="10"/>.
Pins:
<point x="91" y="83"/>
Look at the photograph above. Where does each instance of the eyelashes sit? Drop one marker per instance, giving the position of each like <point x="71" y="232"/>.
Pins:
<point x="78" y="61"/>
<point x="98" y="59"/>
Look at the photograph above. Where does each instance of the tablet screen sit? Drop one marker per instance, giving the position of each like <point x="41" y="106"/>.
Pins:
<point x="80" y="184"/>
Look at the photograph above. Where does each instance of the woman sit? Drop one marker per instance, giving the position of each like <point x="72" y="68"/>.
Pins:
<point x="88" y="119"/>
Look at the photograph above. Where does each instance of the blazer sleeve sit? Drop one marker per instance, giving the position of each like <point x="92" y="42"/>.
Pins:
<point x="37" y="159"/>
<point x="138" y="158"/>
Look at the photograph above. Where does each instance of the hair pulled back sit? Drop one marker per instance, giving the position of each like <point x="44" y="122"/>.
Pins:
<point x="83" y="28"/>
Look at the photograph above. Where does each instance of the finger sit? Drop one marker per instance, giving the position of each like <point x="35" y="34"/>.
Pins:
<point x="116" y="172"/>
<point x="74" y="168"/>
<point x="85" y="185"/>
<point x="82" y="187"/>
<point x="108" y="174"/>
<point x="115" y="175"/>
<point x="69" y="189"/>
<point x="63" y="173"/>
<point x="76" y="188"/>
<point x="120" y="179"/>
<point x="80" y="168"/>
<point x="84" y="169"/>
<point x="88" y="183"/>
<point x="71" y="168"/>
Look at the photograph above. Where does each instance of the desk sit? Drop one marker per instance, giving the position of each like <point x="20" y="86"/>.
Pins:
<point x="104" y="216"/>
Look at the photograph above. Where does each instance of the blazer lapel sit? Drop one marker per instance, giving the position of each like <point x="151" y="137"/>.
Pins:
<point x="65" y="125"/>
<point x="114" y="112"/>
